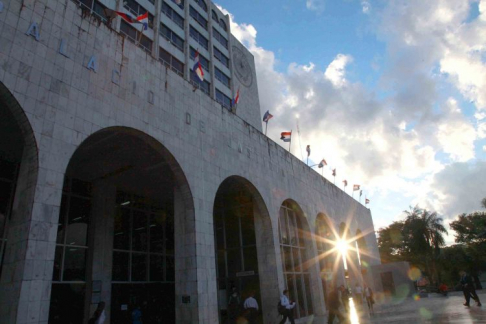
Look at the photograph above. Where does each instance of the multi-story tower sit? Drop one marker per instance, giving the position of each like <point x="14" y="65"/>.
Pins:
<point x="125" y="180"/>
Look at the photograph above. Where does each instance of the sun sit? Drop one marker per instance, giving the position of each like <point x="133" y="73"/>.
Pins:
<point x="342" y="246"/>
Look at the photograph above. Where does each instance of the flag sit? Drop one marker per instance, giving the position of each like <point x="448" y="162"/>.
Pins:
<point x="286" y="136"/>
<point x="197" y="68"/>
<point x="267" y="116"/>
<point x="361" y="193"/>
<point x="355" y="187"/>
<point x="237" y="98"/>
<point x="345" y="183"/>
<point x="308" y="150"/>
<point x="322" y="163"/>
<point x="179" y="2"/>
<point x="367" y="201"/>
<point x="333" y="172"/>
<point x="143" y="19"/>
<point x="112" y="13"/>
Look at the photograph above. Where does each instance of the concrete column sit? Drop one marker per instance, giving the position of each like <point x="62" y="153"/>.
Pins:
<point x="267" y="265"/>
<point x="29" y="256"/>
<point x="186" y="265"/>
<point x="100" y="256"/>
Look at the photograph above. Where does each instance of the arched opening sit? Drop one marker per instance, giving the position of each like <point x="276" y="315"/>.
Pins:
<point x="362" y="249"/>
<point x="124" y="206"/>
<point x="295" y="248"/>
<point x="245" y="257"/>
<point x="18" y="168"/>
<point x="325" y="241"/>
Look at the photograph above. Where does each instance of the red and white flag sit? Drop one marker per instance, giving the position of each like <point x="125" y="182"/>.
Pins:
<point x="355" y="187"/>
<point x="308" y="150"/>
<point x="367" y="201"/>
<point x="286" y="136"/>
<point x="345" y="182"/>
<point x="322" y="163"/>
<point x="197" y="68"/>
<point x="333" y="172"/>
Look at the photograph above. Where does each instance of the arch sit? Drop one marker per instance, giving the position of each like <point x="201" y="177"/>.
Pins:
<point x="298" y="257"/>
<point x="137" y="213"/>
<point x="222" y="24"/>
<point x="202" y="4"/>
<point x="18" y="146"/>
<point x="215" y="16"/>
<point x="326" y="254"/>
<point x="242" y="224"/>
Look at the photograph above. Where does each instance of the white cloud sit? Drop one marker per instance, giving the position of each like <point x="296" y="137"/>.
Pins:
<point x="336" y="70"/>
<point x="315" y="5"/>
<point x="365" y="7"/>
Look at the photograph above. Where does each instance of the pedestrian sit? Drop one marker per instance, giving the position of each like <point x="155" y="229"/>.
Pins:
<point x="334" y="303"/>
<point x="234" y="305"/>
<point x="369" y="298"/>
<point x="345" y="298"/>
<point x="358" y="294"/>
<point x="289" y="307"/>
<point x="137" y="316"/>
<point x="251" y="308"/>
<point x="99" y="314"/>
<point x="468" y="289"/>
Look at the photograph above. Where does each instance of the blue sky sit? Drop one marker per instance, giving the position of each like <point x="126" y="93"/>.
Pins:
<point x="391" y="93"/>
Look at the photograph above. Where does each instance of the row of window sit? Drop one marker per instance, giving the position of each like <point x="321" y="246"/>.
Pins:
<point x="135" y="8"/>
<point x="220" y="38"/>
<point x="198" y="37"/>
<point x="223" y="99"/>
<point x="174" y="16"/>
<point x="171" y="62"/>
<point x="171" y="37"/>
<point x="221" y="57"/>
<point x="198" y="17"/>
<point x="135" y="36"/>
<point x="223" y="78"/>
<point x="218" y="21"/>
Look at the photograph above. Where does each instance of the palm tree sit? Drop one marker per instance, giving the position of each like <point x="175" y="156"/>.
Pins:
<point x="424" y="233"/>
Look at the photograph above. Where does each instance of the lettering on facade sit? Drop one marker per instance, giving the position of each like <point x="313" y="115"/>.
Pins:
<point x="62" y="48"/>
<point x="188" y="118"/>
<point x="92" y="65"/>
<point x="150" y="98"/>
<point x="33" y="31"/>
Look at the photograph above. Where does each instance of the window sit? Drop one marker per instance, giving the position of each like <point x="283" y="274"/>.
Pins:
<point x="294" y="257"/>
<point x="72" y="232"/>
<point x="218" y="74"/>
<point x="198" y="17"/>
<point x="143" y="241"/>
<point x="223" y="99"/>
<point x="198" y="37"/>
<point x="220" y="38"/>
<point x="172" y="37"/>
<point x="202" y="4"/>
<point x="180" y="5"/>
<point x="222" y="24"/>
<point x="221" y="57"/>
<point x="171" y="62"/>
<point x="174" y="16"/>
<point x="133" y="7"/>
<point x="204" y="86"/>
<point x="215" y="16"/>
<point x="134" y="35"/>
<point x="95" y="7"/>
<point x="204" y="62"/>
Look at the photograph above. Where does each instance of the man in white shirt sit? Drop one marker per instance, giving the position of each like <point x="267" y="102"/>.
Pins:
<point x="289" y="307"/>
<point x="251" y="308"/>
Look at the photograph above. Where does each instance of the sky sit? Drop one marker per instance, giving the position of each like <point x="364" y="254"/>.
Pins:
<point x="391" y="93"/>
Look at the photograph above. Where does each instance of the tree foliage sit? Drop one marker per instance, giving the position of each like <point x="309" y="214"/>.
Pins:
<point x="470" y="228"/>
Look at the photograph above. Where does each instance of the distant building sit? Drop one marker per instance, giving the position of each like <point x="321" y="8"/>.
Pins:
<point x="123" y="179"/>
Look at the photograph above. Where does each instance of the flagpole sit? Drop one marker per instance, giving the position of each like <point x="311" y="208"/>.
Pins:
<point x="266" y="127"/>
<point x="290" y="142"/>
<point x="352" y="193"/>
<point x="334" y="180"/>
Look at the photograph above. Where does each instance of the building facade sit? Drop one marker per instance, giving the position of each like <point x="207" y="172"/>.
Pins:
<point x="125" y="180"/>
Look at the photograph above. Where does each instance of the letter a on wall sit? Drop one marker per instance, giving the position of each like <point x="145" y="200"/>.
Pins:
<point x="92" y="64"/>
<point x="33" y="31"/>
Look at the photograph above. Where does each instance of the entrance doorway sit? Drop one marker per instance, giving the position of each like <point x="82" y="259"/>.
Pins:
<point x="388" y="283"/>
<point x="116" y="238"/>
<point x="235" y="211"/>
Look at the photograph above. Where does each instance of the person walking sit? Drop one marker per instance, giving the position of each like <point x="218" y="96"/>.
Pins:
<point x="234" y="305"/>
<point x="368" y="293"/>
<point x="99" y="315"/>
<point x="358" y="294"/>
<point x="468" y="289"/>
<point x="345" y="298"/>
<point x="334" y="303"/>
<point x="251" y="308"/>
<point x="289" y="307"/>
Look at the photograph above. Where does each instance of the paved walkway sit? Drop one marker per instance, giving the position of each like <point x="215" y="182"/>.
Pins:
<point x="434" y="309"/>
